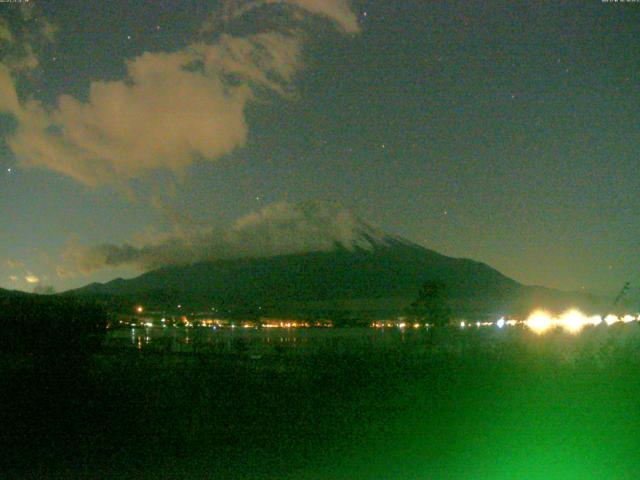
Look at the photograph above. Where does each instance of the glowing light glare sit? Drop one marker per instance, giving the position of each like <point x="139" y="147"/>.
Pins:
<point x="139" y="309"/>
<point x="462" y="324"/>
<point x="540" y="321"/>
<point x="572" y="321"/>
<point x="595" y="320"/>
<point x="500" y="323"/>
<point x="628" y="318"/>
<point x="611" y="319"/>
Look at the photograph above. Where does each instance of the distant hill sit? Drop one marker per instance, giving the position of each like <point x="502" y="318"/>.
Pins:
<point x="49" y="325"/>
<point x="379" y="276"/>
<point x="12" y="293"/>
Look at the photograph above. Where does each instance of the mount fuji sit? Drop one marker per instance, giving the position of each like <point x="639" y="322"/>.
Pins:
<point x="366" y="274"/>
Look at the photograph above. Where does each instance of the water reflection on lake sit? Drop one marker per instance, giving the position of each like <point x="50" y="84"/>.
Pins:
<point x="216" y="340"/>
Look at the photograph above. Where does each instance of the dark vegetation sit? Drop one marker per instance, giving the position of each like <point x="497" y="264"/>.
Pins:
<point x="47" y="345"/>
<point x="50" y="326"/>
<point x="441" y="404"/>
<point x="432" y="305"/>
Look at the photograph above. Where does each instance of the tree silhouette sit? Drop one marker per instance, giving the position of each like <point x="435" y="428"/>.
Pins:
<point x="432" y="304"/>
<point x="622" y="294"/>
<point x="50" y="326"/>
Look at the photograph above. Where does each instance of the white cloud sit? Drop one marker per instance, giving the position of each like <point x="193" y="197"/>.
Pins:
<point x="163" y="116"/>
<point x="5" y="33"/>
<point x="336" y="10"/>
<point x="25" y="62"/>
<point x="171" y="108"/>
<point x="277" y="229"/>
<point x="14" y="264"/>
<point x="339" y="11"/>
<point x="8" y="95"/>
<point x="48" y="30"/>
<point x="18" y="59"/>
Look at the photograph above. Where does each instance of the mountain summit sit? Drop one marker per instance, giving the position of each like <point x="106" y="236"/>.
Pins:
<point x="358" y="272"/>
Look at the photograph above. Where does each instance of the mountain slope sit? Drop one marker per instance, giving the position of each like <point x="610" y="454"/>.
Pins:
<point x="12" y="293"/>
<point x="377" y="275"/>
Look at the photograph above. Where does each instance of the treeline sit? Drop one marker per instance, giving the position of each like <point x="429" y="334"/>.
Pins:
<point x="50" y="325"/>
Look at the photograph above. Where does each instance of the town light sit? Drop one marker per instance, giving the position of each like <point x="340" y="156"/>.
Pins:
<point x="539" y="321"/>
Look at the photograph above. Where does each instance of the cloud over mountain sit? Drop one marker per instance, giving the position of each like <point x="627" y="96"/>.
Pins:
<point x="277" y="229"/>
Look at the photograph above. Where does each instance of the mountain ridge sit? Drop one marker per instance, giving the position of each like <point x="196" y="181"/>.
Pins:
<point x="382" y="274"/>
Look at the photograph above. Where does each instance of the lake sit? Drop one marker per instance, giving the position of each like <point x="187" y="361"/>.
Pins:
<point x="351" y="403"/>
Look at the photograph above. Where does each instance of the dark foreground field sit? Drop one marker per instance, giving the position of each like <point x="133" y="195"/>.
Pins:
<point x="457" y="405"/>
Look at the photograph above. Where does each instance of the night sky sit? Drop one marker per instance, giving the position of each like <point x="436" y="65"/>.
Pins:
<point x="505" y="132"/>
